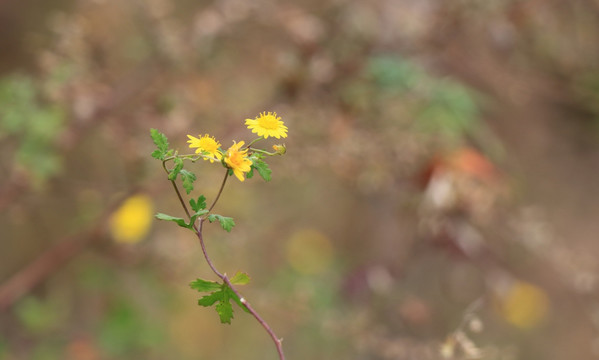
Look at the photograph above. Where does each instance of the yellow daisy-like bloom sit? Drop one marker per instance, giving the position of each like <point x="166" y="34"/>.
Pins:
<point x="238" y="160"/>
<point x="267" y="124"/>
<point x="206" y="145"/>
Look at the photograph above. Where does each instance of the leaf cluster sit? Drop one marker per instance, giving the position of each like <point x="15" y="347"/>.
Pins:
<point x="163" y="153"/>
<point x="199" y="207"/>
<point x="221" y="295"/>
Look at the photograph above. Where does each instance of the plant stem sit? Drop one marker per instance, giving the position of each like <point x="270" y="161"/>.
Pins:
<point x="278" y="342"/>
<point x="223" y="277"/>
<point x="253" y="142"/>
<point x="181" y="198"/>
<point x="220" y="191"/>
<point x="177" y="191"/>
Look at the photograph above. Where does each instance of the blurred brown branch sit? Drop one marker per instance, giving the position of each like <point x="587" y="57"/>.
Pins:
<point x="47" y="263"/>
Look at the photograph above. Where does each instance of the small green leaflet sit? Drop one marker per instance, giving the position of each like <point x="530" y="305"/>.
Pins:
<point x="161" y="143"/>
<point x="240" y="278"/>
<point x="188" y="179"/>
<point x="225" y="309"/>
<point x="227" y="223"/>
<point x="204" y="285"/>
<point x="221" y="294"/>
<point x="262" y="168"/>
<point x="198" y="204"/>
<point x="180" y="221"/>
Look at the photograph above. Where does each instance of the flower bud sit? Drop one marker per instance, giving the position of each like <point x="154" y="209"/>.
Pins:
<point x="280" y="149"/>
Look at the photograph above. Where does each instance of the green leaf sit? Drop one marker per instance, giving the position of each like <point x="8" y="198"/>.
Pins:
<point x="209" y="300"/>
<point x="225" y="311"/>
<point x="161" y="142"/>
<point x="237" y="300"/>
<point x="263" y="169"/>
<point x="240" y="278"/>
<point x="188" y="179"/>
<point x="198" y="204"/>
<point x="223" y="294"/>
<point x="176" y="169"/>
<point x="226" y="223"/>
<point x="205" y="285"/>
<point x="181" y="222"/>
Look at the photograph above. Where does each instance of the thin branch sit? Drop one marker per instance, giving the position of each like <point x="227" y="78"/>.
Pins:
<point x="278" y="342"/>
<point x="220" y="191"/>
<point x="198" y="230"/>
<point x="208" y="260"/>
<point x="181" y="198"/>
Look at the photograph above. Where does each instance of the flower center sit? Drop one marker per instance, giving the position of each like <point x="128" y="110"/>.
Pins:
<point x="269" y="122"/>
<point x="236" y="159"/>
<point x="208" y="145"/>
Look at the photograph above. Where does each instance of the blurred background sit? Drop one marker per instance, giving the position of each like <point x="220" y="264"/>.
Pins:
<point x="438" y="199"/>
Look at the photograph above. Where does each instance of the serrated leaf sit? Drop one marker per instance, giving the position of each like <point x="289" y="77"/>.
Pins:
<point x="226" y="223"/>
<point x="209" y="300"/>
<point x="180" y="221"/>
<point x="188" y="179"/>
<point x="249" y="174"/>
<point x="176" y="169"/>
<point x="157" y="154"/>
<point x="205" y="285"/>
<point x="263" y="169"/>
<point x="240" y="278"/>
<point x="225" y="311"/>
<point x="161" y="142"/>
<point x="198" y="204"/>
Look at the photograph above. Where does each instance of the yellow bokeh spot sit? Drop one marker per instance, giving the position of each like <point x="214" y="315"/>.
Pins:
<point x="131" y="222"/>
<point x="309" y="251"/>
<point x="524" y="305"/>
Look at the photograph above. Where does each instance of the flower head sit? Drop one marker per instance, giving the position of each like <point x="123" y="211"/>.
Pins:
<point x="267" y="124"/>
<point x="206" y="145"/>
<point x="238" y="160"/>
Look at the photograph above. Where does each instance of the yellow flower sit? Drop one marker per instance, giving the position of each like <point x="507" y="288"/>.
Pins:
<point x="238" y="160"/>
<point x="206" y="145"/>
<point x="267" y="124"/>
<point x="131" y="222"/>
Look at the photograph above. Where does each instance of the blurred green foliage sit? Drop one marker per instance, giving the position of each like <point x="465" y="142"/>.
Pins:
<point x="39" y="317"/>
<point x="443" y="106"/>
<point x="31" y="124"/>
<point x="125" y="331"/>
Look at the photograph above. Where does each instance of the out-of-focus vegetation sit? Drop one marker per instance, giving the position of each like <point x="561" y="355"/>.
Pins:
<point x="437" y="199"/>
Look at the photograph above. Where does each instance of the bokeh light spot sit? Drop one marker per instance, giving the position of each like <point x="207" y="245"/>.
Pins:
<point x="309" y="251"/>
<point x="131" y="222"/>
